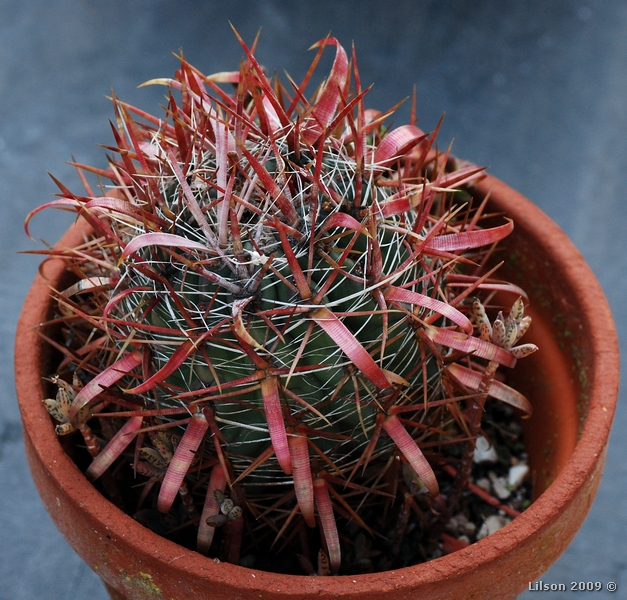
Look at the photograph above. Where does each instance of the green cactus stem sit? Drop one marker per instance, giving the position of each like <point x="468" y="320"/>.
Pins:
<point x="275" y="280"/>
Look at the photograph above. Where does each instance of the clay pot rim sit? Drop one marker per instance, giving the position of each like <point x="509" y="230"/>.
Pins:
<point x="588" y="451"/>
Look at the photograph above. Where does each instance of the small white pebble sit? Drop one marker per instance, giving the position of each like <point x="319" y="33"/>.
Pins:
<point x="501" y="488"/>
<point x="483" y="483"/>
<point x="464" y="538"/>
<point x="470" y="528"/>
<point x="517" y="475"/>
<point x="484" y="451"/>
<point x="492" y="524"/>
<point x="457" y="524"/>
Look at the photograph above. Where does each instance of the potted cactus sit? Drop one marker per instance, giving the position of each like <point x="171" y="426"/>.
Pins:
<point x="273" y="338"/>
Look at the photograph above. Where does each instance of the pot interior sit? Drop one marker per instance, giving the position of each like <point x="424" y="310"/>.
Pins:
<point x="554" y="378"/>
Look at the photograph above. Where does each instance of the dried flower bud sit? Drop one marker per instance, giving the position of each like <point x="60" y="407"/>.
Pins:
<point x="216" y="520"/>
<point x="227" y="506"/>
<point x="235" y="513"/>
<point x="498" y="332"/>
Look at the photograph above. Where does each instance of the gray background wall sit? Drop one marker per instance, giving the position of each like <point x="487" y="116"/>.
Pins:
<point x="535" y="89"/>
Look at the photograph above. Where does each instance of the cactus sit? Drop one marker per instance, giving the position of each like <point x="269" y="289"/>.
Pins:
<point x="273" y="318"/>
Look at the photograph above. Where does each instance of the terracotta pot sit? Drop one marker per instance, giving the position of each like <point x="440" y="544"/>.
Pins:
<point x="572" y="382"/>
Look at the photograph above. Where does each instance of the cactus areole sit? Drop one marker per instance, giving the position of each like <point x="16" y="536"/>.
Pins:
<point x="286" y="322"/>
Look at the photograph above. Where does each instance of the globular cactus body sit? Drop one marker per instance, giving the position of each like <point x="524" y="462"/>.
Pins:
<point x="270" y="275"/>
